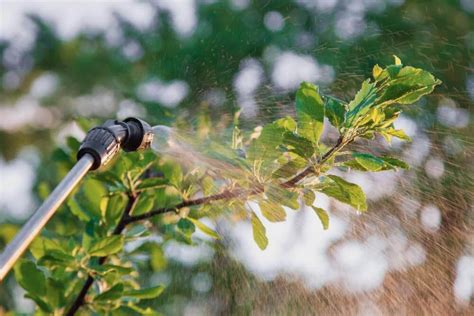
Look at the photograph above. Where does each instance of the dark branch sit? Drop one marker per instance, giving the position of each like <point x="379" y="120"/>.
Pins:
<point x="221" y="196"/>
<point x="228" y="194"/>
<point x="310" y="169"/>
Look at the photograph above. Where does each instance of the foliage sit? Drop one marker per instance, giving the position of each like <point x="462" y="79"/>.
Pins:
<point x="277" y="168"/>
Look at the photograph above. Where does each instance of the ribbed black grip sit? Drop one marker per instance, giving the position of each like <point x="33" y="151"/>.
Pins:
<point x="102" y="144"/>
<point x="105" y="141"/>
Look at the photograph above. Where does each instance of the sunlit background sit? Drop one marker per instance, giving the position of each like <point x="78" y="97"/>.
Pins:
<point x="165" y="60"/>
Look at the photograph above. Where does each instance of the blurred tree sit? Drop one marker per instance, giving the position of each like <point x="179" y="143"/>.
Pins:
<point x="94" y="72"/>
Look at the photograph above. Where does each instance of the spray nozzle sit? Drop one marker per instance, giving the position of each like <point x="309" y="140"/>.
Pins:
<point x="103" y="142"/>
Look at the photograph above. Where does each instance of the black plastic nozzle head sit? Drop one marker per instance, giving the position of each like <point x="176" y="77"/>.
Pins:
<point x="104" y="142"/>
<point x="140" y="135"/>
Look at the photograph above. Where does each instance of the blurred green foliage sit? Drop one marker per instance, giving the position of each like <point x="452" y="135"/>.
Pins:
<point x="432" y="35"/>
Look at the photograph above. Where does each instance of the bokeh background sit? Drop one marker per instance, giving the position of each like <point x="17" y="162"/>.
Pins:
<point x="190" y="61"/>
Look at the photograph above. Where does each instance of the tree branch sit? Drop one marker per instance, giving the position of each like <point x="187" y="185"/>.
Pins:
<point x="228" y="194"/>
<point x="225" y="195"/>
<point x="79" y="301"/>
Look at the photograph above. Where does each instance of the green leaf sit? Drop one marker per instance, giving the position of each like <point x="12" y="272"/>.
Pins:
<point x="58" y="257"/>
<point x="388" y="133"/>
<point x="278" y="195"/>
<point x="41" y="246"/>
<point x="395" y="163"/>
<point x="158" y="259"/>
<point x="112" y="208"/>
<point x="40" y="302"/>
<point x="205" y="229"/>
<point x="298" y="145"/>
<point x="208" y="186"/>
<point x="397" y="60"/>
<point x="408" y="86"/>
<point x="186" y="226"/>
<point x="90" y="196"/>
<point x="323" y="216"/>
<point x="290" y="168"/>
<point x="376" y="72"/>
<point x="144" y="205"/>
<point x="272" y="211"/>
<point x="335" y="112"/>
<point x="259" y="232"/>
<point x="362" y="102"/>
<point x="143" y="311"/>
<point x="30" y="278"/>
<point x="167" y="197"/>
<point x="106" y="246"/>
<point x="8" y="232"/>
<point x="393" y="70"/>
<point x="369" y="162"/>
<point x="77" y="210"/>
<point x="73" y="143"/>
<point x="286" y="123"/>
<point x="345" y="192"/>
<point x="151" y="183"/>
<point x="309" y="112"/>
<point x="55" y="293"/>
<point x="138" y="230"/>
<point x="173" y="173"/>
<point x="309" y="197"/>
<point x="148" y="293"/>
<point x="114" y="293"/>
<point x="265" y="146"/>
<point x="107" y="268"/>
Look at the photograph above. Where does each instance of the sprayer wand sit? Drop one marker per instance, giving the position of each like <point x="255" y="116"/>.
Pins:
<point x="100" y="145"/>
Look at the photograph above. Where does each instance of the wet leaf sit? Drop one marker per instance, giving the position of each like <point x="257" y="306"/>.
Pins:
<point x="151" y="183"/>
<point x="335" y="112"/>
<point x="106" y="246"/>
<point x="265" y="146"/>
<point x="148" y="293"/>
<point x="186" y="226"/>
<point x="30" y="278"/>
<point x="272" y="211"/>
<point x="259" y="232"/>
<point x="286" y="123"/>
<point x="278" y="195"/>
<point x="114" y="293"/>
<point x="369" y="162"/>
<point x="323" y="216"/>
<point x="398" y="133"/>
<point x="309" y="112"/>
<point x="205" y="229"/>
<point x="345" y="192"/>
<point x="298" y="145"/>
<point x="395" y="163"/>
<point x="112" y="208"/>
<point x="309" y="197"/>
<point x="376" y="71"/>
<point x="362" y="102"/>
<point x="77" y="210"/>
<point x="144" y="205"/>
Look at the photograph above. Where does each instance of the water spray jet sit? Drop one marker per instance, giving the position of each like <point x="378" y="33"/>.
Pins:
<point x="99" y="147"/>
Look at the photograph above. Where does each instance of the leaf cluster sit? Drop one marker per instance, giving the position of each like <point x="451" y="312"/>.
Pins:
<point x="278" y="168"/>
